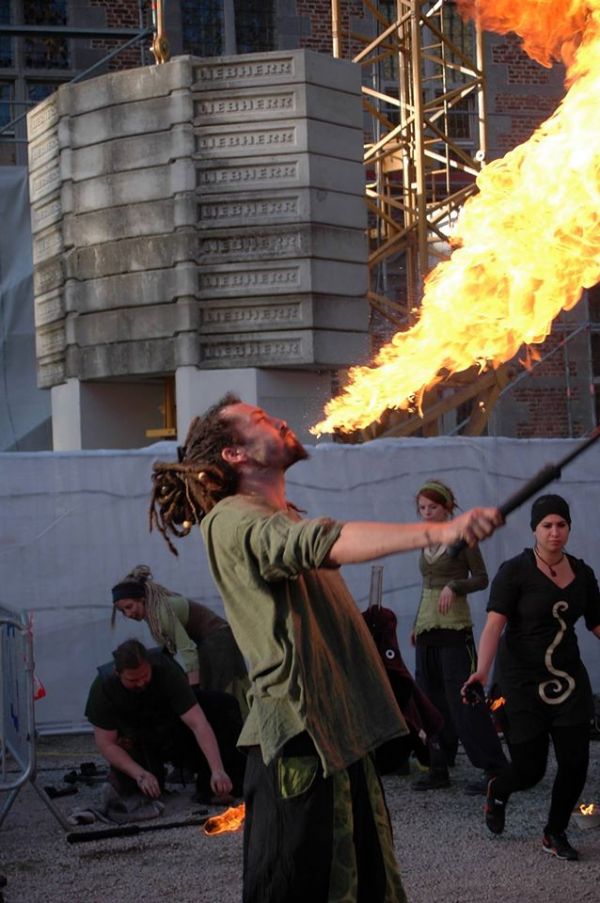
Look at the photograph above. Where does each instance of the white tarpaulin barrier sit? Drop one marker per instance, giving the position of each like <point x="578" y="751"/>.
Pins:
<point x="73" y="524"/>
<point x="24" y="409"/>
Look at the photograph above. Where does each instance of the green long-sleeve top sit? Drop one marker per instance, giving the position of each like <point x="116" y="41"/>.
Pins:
<point x="185" y="632"/>
<point x="466" y="573"/>
<point x="312" y="662"/>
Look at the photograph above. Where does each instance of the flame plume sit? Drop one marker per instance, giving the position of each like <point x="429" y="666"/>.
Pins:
<point x="525" y="246"/>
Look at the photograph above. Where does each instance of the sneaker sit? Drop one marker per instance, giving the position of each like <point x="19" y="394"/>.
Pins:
<point x="495" y="811"/>
<point x="558" y="845"/>
<point x="436" y="779"/>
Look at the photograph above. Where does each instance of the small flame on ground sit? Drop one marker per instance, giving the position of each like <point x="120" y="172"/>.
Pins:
<point x="497" y="704"/>
<point x="230" y="820"/>
<point x="525" y="246"/>
<point x="586" y="809"/>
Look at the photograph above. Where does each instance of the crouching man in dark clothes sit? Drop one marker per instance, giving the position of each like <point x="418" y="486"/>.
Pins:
<point x="145" y="714"/>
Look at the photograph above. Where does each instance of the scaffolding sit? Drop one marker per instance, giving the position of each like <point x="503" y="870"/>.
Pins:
<point x="424" y="99"/>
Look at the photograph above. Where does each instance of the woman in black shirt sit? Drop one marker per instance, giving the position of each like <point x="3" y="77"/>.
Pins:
<point x="535" y="600"/>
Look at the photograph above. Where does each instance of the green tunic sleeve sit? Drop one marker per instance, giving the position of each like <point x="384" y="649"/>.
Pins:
<point x="478" y="578"/>
<point x="285" y="548"/>
<point x="175" y="629"/>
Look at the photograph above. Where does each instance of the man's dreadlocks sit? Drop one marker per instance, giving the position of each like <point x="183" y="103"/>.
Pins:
<point x="185" y="490"/>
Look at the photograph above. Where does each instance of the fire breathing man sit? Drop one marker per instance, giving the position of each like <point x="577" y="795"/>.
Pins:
<point x="145" y="714"/>
<point x="316" y="826"/>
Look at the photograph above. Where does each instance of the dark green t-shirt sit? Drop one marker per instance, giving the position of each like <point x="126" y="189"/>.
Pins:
<point x="168" y="696"/>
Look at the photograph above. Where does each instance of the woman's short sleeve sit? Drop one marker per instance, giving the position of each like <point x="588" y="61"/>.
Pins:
<point x="505" y="590"/>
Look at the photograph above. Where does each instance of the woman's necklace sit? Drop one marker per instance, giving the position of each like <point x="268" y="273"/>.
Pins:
<point x="547" y="563"/>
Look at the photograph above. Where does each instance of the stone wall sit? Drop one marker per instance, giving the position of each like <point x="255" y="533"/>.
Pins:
<point x="204" y="213"/>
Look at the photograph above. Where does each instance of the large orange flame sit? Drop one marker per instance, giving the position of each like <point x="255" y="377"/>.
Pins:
<point x="230" y="820"/>
<point x="525" y="246"/>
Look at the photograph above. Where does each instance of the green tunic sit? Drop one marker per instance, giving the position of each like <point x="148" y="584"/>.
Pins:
<point x="178" y="629"/>
<point x="312" y="662"/>
<point x="466" y="573"/>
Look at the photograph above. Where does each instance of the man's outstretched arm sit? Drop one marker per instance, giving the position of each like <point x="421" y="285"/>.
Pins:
<point x="364" y="540"/>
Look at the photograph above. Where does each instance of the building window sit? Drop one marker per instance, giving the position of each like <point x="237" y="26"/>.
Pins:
<point x="45" y="52"/>
<point x="459" y="33"/>
<point x="594" y="303"/>
<point x="203" y="27"/>
<point x="458" y="118"/>
<point x="253" y="26"/>
<point x="6" y="52"/>
<point x="6" y="104"/>
<point x="39" y="91"/>
<point x="227" y="26"/>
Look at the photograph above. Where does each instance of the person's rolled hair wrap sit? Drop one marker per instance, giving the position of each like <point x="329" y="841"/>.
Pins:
<point x="127" y="590"/>
<point x="549" y="504"/>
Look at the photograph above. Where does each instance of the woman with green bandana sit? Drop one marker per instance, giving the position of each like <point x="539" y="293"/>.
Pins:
<point x="445" y="650"/>
<point x="203" y="640"/>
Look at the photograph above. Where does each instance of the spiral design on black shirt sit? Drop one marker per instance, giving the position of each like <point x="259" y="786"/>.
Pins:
<point x="561" y="680"/>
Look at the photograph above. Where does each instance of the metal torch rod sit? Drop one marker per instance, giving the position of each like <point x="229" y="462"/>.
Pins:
<point x="546" y="475"/>
<point x="131" y="830"/>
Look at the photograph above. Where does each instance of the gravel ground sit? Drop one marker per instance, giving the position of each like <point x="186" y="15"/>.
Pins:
<point x="445" y="852"/>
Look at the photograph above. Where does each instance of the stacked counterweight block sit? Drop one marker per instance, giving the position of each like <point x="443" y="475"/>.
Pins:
<point x="207" y="212"/>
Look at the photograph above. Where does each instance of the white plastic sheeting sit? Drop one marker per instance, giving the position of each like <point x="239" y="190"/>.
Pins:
<point x="24" y="409"/>
<point x="73" y="524"/>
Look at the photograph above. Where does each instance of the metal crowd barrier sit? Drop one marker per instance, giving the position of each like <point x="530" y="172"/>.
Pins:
<point x="17" y="717"/>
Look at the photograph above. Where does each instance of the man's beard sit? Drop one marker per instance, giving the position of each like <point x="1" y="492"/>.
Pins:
<point x="296" y="452"/>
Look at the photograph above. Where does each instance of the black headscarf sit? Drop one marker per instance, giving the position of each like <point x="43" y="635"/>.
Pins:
<point x="549" y="504"/>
